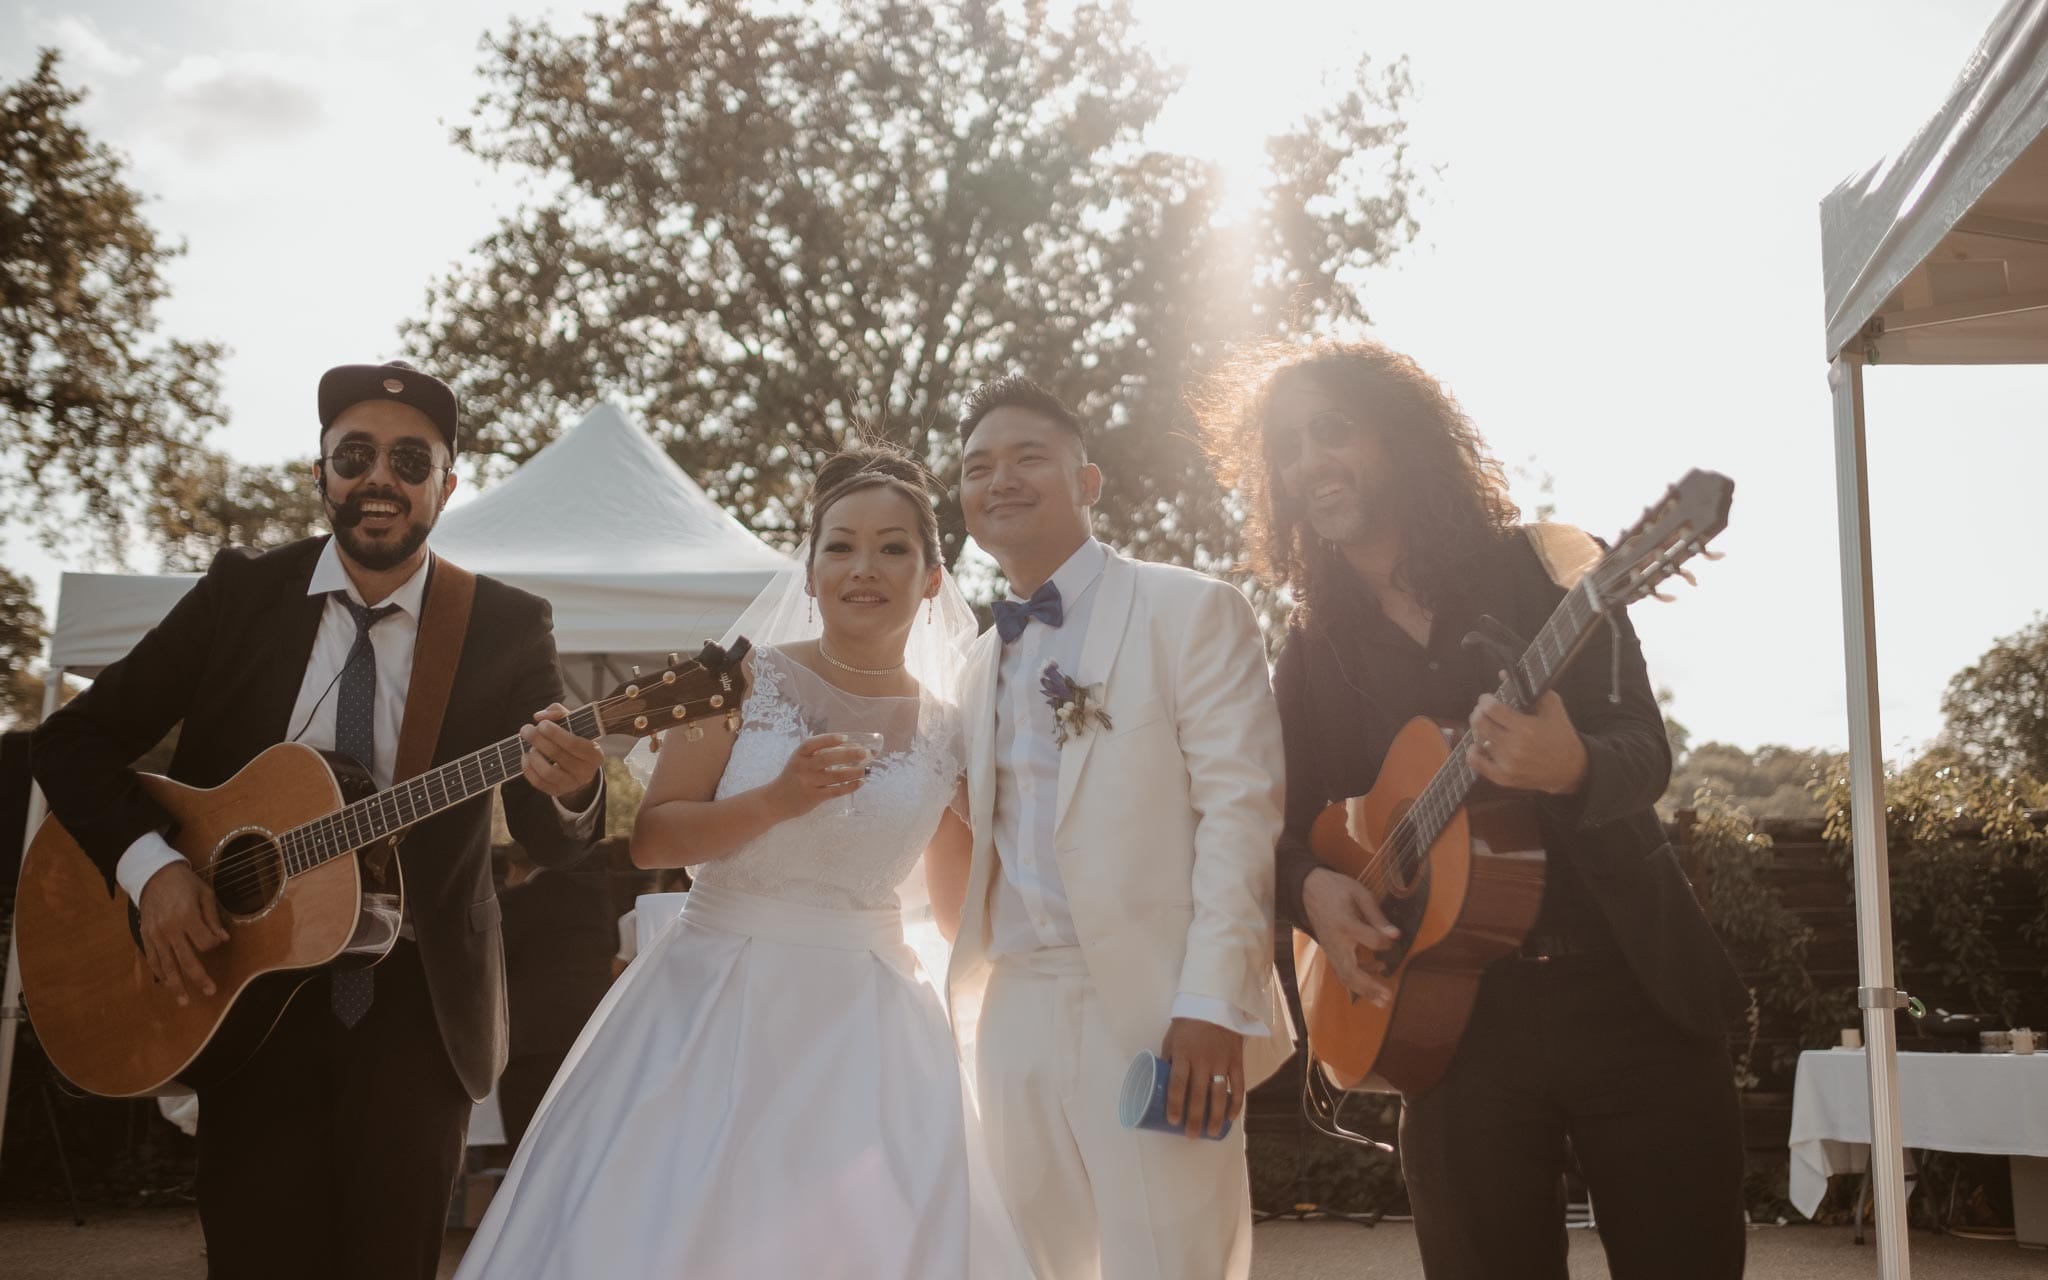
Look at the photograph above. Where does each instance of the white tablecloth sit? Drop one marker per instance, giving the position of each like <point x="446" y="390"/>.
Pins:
<point x="1990" y="1103"/>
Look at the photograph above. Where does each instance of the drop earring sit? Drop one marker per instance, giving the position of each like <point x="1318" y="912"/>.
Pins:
<point x="810" y="608"/>
<point x="931" y="608"/>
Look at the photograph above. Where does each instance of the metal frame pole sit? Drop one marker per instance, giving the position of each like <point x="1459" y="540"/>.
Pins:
<point x="1878" y="995"/>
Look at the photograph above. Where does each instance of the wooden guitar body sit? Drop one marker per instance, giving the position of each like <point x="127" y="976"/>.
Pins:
<point x="106" y="1024"/>
<point x="290" y="846"/>
<point x="1469" y="901"/>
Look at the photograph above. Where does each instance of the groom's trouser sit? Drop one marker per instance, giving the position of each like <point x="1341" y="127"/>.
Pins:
<point x="1091" y="1199"/>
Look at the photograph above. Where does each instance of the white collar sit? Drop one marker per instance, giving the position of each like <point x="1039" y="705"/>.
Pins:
<point x="331" y="575"/>
<point x="1078" y="573"/>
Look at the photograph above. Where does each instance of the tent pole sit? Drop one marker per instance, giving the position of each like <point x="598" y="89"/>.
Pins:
<point x="1878" y="996"/>
<point x="10" y="995"/>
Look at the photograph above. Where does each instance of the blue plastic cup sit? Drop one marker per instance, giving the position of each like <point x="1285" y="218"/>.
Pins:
<point x="1142" y="1105"/>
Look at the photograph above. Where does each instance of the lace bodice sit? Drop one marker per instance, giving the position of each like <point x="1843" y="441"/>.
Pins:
<point x="851" y="852"/>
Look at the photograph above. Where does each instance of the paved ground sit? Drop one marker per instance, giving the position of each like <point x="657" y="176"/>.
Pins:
<point x="165" y="1245"/>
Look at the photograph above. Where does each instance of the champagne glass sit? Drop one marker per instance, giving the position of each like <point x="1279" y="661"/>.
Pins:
<point x="869" y="745"/>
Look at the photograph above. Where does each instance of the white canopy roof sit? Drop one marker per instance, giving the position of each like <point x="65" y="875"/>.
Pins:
<point x="1944" y="245"/>
<point x="635" y="557"/>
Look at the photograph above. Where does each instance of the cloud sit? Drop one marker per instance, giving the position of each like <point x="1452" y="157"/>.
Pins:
<point x="217" y="101"/>
<point x="83" y="44"/>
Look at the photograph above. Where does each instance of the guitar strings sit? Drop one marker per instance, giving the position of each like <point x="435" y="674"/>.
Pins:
<point x="246" y="869"/>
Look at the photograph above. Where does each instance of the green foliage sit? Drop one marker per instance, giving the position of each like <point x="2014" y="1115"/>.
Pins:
<point x="22" y="632"/>
<point x="762" y="227"/>
<point x="1770" y="782"/>
<point x="1954" y="835"/>
<point x="1997" y="707"/>
<point x="91" y="411"/>
<point x="1762" y="935"/>
<point x="622" y="792"/>
<point x="214" y="502"/>
<point x="1305" y="1172"/>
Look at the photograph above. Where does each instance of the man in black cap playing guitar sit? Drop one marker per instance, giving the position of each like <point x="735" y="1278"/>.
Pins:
<point x="333" y="1150"/>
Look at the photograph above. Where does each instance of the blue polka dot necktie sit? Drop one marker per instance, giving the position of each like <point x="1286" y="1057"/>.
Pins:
<point x="355" y="737"/>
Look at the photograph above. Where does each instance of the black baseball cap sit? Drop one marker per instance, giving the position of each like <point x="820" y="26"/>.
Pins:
<point x="351" y="384"/>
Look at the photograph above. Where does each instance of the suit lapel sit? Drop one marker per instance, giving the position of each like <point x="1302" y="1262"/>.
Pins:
<point x="1106" y="624"/>
<point x="980" y="713"/>
<point x="298" y="623"/>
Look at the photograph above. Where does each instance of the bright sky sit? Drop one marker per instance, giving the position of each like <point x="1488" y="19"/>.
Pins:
<point x="1618" y="272"/>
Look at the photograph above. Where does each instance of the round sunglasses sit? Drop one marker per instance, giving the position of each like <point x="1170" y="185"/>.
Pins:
<point x="1332" y="429"/>
<point x="411" y="463"/>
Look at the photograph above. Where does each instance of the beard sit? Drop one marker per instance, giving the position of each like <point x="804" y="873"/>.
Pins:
<point x="1345" y="521"/>
<point x="391" y="549"/>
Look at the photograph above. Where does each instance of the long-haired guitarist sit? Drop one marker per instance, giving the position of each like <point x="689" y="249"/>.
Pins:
<point x="1373" y="498"/>
<point x="333" y="1151"/>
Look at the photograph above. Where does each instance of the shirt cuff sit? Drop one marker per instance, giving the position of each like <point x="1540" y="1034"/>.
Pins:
<point x="149" y="854"/>
<point x="1221" y="1012"/>
<point x="578" y="816"/>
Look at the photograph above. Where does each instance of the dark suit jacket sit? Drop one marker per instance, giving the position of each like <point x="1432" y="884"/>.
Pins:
<point x="1348" y="680"/>
<point x="227" y="663"/>
<point x="560" y="936"/>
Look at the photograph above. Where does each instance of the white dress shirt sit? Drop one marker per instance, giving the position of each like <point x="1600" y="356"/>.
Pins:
<point x="312" y="722"/>
<point x="1030" y="909"/>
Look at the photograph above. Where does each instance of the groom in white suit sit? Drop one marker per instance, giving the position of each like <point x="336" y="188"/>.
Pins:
<point x="1120" y="896"/>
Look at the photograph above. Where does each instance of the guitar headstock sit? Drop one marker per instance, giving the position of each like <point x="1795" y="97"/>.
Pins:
<point x="1672" y="531"/>
<point x="711" y="683"/>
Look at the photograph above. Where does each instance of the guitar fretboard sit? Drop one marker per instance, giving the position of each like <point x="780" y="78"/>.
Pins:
<point x="416" y="799"/>
<point x="1539" y="666"/>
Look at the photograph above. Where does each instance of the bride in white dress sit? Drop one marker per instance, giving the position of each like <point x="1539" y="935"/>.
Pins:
<point x="772" y="1089"/>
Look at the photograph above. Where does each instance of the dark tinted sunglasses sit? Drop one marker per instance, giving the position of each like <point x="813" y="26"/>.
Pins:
<point x="409" y="462"/>
<point x="1332" y="429"/>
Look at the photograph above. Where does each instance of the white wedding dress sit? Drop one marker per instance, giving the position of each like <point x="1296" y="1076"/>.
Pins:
<point x="772" y="1088"/>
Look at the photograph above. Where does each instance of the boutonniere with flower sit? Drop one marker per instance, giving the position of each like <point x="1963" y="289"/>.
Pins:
<point x="1076" y="708"/>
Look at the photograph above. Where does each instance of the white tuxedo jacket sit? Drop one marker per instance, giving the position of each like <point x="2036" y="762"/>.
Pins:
<point x="1166" y="822"/>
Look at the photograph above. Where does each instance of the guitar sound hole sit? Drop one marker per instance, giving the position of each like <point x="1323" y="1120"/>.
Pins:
<point x="248" y="873"/>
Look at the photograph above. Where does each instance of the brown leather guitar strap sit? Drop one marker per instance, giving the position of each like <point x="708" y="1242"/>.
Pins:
<point x="444" y="621"/>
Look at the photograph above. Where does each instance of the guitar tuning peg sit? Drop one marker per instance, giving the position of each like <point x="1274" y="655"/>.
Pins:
<point x="1659" y="595"/>
<point x="695" y="733"/>
<point x="1713" y="555"/>
<point x="636" y="671"/>
<point x="674" y="661"/>
<point x="1687" y="575"/>
<point x="654" y="742"/>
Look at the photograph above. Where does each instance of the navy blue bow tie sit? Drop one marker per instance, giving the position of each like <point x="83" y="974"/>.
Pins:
<point x="1043" y="605"/>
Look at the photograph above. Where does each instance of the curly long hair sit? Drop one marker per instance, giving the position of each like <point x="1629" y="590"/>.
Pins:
<point x="1447" y="493"/>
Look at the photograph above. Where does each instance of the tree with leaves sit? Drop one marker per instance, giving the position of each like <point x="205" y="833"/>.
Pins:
<point x="1997" y="707"/>
<point x="21" y="643"/>
<point x="92" y="410"/>
<point x="765" y="228"/>
<point x="214" y="503"/>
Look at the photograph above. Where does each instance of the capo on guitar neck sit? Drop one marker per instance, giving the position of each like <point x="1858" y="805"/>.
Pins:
<point x="1499" y="641"/>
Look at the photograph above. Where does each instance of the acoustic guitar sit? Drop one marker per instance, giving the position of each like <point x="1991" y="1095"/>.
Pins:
<point x="297" y="848"/>
<point x="1462" y="880"/>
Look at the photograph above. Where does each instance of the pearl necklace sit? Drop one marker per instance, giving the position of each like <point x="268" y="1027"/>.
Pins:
<point x="859" y="671"/>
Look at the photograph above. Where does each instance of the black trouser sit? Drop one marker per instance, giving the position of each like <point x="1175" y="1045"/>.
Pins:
<point x="1572" y="1050"/>
<point x="520" y="1089"/>
<point x="332" y="1154"/>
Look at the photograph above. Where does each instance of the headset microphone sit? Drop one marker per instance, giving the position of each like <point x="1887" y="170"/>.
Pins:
<point x="346" y="514"/>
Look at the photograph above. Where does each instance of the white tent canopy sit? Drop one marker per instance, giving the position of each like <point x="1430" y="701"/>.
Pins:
<point x="635" y="558"/>
<point x="1938" y="255"/>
